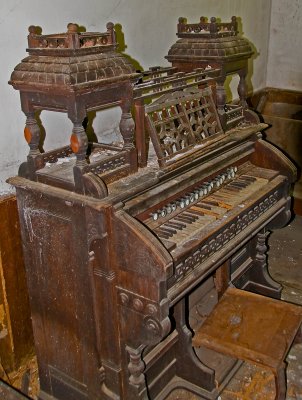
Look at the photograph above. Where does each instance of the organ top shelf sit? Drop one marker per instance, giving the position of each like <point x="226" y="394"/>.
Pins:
<point x="76" y="73"/>
<point x="220" y="45"/>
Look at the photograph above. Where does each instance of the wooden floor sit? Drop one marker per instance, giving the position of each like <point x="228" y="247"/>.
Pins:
<point x="250" y="382"/>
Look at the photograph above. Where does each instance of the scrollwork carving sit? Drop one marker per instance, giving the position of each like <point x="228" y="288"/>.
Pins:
<point x="151" y="309"/>
<point x="138" y="304"/>
<point x="156" y="329"/>
<point x="152" y="325"/>
<point x="124" y="298"/>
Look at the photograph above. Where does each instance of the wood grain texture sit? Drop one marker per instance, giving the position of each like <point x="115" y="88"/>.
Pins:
<point x="16" y="340"/>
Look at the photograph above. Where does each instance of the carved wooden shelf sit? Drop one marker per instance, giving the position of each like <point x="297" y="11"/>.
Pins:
<point x="75" y="73"/>
<point x="217" y="45"/>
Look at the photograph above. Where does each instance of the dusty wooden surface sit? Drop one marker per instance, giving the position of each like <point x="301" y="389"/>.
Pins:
<point x="250" y="326"/>
<point x="121" y="329"/>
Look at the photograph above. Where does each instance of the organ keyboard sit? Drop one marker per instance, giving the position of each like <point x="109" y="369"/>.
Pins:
<point x="207" y="202"/>
<point x="119" y="258"/>
<point x="232" y="199"/>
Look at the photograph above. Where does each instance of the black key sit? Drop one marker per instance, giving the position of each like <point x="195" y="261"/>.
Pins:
<point x="182" y="218"/>
<point x="176" y="225"/>
<point x="237" y="184"/>
<point x="211" y="202"/>
<point x="187" y="214"/>
<point x="165" y="231"/>
<point x="162" y="234"/>
<point x="168" y="229"/>
<point x="232" y="188"/>
<point x="203" y="205"/>
<point x="249" y="178"/>
<point x="243" y="182"/>
<point x="195" y="212"/>
<point x="183" y="224"/>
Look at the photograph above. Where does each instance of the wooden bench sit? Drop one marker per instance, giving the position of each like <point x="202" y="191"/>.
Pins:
<point x="252" y="328"/>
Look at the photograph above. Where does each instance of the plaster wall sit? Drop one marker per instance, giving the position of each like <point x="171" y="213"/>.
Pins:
<point x="149" y="29"/>
<point x="284" y="68"/>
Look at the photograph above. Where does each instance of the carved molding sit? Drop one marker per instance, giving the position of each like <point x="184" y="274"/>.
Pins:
<point x="137" y="303"/>
<point x="109" y="165"/>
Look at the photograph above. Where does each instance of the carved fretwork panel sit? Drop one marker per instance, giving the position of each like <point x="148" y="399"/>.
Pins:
<point x="185" y="122"/>
<point x="202" y="118"/>
<point x="172" y="129"/>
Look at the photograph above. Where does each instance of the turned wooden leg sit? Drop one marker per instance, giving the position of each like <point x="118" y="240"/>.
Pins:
<point x="280" y="382"/>
<point x="127" y="124"/>
<point x="32" y="136"/>
<point x="140" y="134"/>
<point x="79" y="144"/>
<point x="242" y="87"/>
<point x="221" y="101"/>
<point x="136" y="369"/>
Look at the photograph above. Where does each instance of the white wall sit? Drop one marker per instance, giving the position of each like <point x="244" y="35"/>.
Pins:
<point x="285" y="48"/>
<point x="149" y="29"/>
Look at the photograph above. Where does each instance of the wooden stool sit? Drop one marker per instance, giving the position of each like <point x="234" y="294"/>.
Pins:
<point x="252" y="328"/>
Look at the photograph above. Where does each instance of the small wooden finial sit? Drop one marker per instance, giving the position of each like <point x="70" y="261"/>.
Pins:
<point x="72" y="28"/>
<point x="235" y="24"/>
<point x="110" y="25"/>
<point x="213" y="25"/>
<point x="111" y="31"/>
<point x="32" y="29"/>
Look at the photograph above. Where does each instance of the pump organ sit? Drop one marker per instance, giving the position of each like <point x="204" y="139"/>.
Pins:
<point x="125" y="258"/>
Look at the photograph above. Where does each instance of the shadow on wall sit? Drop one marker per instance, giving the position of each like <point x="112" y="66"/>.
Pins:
<point x="88" y="126"/>
<point x="42" y="130"/>
<point x="255" y="54"/>
<point x="250" y="89"/>
<point x="120" y="38"/>
<point x="250" y="71"/>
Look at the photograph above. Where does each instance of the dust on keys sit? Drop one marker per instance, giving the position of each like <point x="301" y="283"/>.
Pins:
<point x="209" y="204"/>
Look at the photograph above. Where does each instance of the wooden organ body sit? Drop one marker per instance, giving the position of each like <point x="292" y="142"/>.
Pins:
<point x="123" y="267"/>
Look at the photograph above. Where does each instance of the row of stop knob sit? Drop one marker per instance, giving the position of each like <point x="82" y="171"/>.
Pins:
<point x="202" y="190"/>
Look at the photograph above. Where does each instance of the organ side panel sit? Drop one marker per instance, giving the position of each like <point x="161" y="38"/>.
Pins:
<point x="143" y="266"/>
<point x="56" y="254"/>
